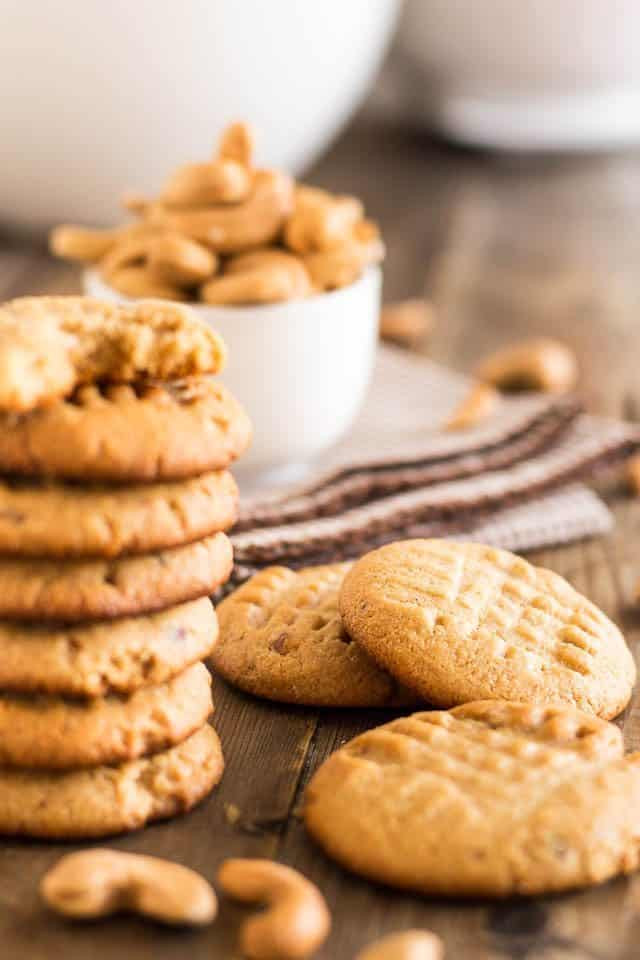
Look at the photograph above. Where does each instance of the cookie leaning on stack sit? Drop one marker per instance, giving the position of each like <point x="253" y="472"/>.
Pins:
<point x="114" y="449"/>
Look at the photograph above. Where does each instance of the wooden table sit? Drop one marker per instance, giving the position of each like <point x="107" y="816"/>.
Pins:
<point x="505" y="247"/>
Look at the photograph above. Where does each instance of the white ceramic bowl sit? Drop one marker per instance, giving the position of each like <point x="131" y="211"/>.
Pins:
<point x="99" y="97"/>
<point x="526" y="73"/>
<point x="300" y="368"/>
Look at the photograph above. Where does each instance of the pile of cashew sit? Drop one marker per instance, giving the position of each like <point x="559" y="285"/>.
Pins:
<point x="295" y="921"/>
<point x="226" y="233"/>
<point x="97" y="883"/>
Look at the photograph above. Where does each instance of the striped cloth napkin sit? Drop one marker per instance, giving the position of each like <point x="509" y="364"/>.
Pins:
<point x="510" y="481"/>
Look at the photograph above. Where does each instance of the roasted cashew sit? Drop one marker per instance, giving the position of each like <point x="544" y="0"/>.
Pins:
<point x="408" y="945"/>
<point x="96" y="883"/>
<point x="296" y="920"/>
<point x="82" y="243"/>
<point x="236" y="144"/>
<point x="479" y="403"/>
<point x="320" y="220"/>
<point x="236" y="227"/>
<point x="407" y="321"/>
<point x="264" y="276"/>
<point x="342" y="265"/>
<point x="128" y="252"/>
<point x="633" y="474"/>
<point x="202" y="184"/>
<point x="138" y="281"/>
<point x="178" y="261"/>
<point x="541" y="364"/>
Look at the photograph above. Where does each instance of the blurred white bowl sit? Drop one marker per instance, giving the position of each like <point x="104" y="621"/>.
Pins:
<point x="527" y="74"/>
<point x="96" y="98"/>
<point x="300" y="368"/>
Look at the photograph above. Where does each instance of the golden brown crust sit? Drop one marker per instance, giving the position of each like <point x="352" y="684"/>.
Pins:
<point x="281" y="637"/>
<point x="79" y="590"/>
<point x="52" y="519"/>
<point x="460" y="622"/>
<point x="487" y="799"/>
<point x="57" y="733"/>
<point x="51" y="345"/>
<point x="101" y="801"/>
<point x="152" y="431"/>
<point x="96" y="659"/>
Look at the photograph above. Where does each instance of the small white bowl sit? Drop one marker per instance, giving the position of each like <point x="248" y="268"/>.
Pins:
<point x="300" y="368"/>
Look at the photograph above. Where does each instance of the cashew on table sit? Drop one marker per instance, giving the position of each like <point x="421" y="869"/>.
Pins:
<point x="296" y="920"/>
<point x="96" y="883"/>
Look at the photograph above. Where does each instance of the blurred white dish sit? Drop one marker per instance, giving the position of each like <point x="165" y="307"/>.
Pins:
<point x="528" y="74"/>
<point x="99" y="97"/>
<point x="300" y="368"/>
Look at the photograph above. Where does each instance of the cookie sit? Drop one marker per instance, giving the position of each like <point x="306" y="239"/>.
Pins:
<point x="281" y="637"/>
<point x="52" y="519"/>
<point x="460" y="622"/>
<point x="51" y="345"/>
<point x="145" y="431"/>
<point x="491" y="798"/>
<point x="101" y="801"/>
<point x="78" y="590"/>
<point x="96" y="659"/>
<point x="59" y="733"/>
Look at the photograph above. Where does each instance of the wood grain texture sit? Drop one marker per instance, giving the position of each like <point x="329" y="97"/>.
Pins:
<point x="506" y="247"/>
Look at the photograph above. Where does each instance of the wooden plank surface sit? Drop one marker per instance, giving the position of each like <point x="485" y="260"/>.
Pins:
<point x="505" y="247"/>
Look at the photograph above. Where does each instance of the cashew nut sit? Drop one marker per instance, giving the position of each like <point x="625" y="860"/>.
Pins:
<point x="200" y="184"/>
<point x="479" y="403"/>
<point x="236" y="144"/>
<point x="82" y="243"/>
<point x="342" y="265"/>
<point x="296" y="920"/>
<point x="176" y="260"/>
<point x="128" y="252"/>
<point x="542" y="364"/>
<point x="236" y="227"/>
<point x="138" y="281"/>
<point x="633" y="474"/>
<point x="264" y="276"/>
<point x="320" y="221"/>
<point x="408" y="945"/>
<point x="407" y="321"/>
<point x="96" y="883"/>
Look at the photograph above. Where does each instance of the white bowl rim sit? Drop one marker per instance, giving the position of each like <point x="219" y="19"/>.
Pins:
<point x="247" y="310"/>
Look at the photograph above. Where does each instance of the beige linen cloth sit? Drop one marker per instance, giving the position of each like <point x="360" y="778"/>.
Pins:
<point x="510" y="481"/>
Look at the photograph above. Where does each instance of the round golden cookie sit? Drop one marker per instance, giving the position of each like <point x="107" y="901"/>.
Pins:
<point x="491" y="798"/>
<point x="79" y="590"/>
<point x="96" y="659"/>
<point x="281" y="637"/>
<point x="61" y="520"/>
<point x="460" y="622"/>
<point x="101" y="801"/>
<point x="58" y="733"/>
<point x="147" y="431"/>
<point x="51" y="345"/>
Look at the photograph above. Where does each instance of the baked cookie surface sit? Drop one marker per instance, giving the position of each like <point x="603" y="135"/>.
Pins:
<point x="145" y="431"/>
<point x="96" y="659"/>
<point x="282" y="638"/>
<point x="52" y="519"/>
<point x="78" y="590"/>
<point x="491" y="798"/>
<point x="57" y="733"/>
<point x="460" y="621"/>
<point x="51" y="345"/>
<point x="105" y="800"/>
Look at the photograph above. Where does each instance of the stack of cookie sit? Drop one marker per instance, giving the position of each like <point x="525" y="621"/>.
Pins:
<point x="114" y="448"/>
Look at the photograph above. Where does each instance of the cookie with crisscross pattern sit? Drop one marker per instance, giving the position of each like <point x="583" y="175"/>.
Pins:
<point x="281" y="638"/>
<point x="490" y="798"/>
<point x="461" y="621"/>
